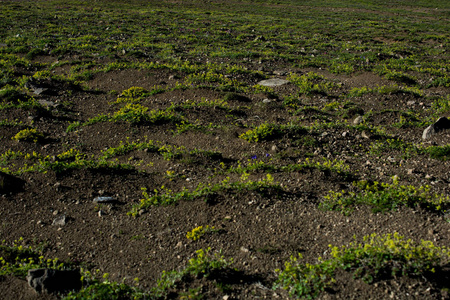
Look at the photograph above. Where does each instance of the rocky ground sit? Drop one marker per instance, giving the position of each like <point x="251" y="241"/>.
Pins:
<point x="344" y="139"/>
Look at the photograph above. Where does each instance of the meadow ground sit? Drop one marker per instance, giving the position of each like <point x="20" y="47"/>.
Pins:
<point x="221" y="187"/>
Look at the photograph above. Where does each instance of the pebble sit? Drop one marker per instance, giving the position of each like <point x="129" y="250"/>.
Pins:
<point x="273" y="82"/>
<point x="358" y="120"/>
<point x="59" y="221"/>
<point x="104" y="199"/>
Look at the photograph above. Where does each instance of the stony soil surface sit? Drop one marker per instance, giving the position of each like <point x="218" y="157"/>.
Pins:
<point x="260" y="232"/>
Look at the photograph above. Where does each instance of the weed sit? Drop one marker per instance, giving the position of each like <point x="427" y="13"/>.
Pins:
<point x="29" y="135"/>
<point x="439" y="152"/>
<point x="199" y="231"/>
<point x="166" y="196"/>
<point x="18" y="258"/>
<point x="385" y="196"/>
<point x="379" y="257"/>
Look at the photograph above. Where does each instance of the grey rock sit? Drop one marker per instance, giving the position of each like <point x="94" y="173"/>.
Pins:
<point x="47" y="103"/>
<point x="59" y="221"/>
<point x="365" y="135"/>
<point x="358" y="120"/>
<point x="35" y="87"/>
<point x="273" y="82"/>
<point x="267" y="101"/>
<point x="54" y="281"/>
<point x="104" y="199"/>
<point x="441" y="124"/>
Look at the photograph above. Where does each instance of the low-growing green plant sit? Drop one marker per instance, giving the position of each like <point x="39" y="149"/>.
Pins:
<point x="94" y="288"/>
<point x="311" y="83"/>
<point x="270" y="131"/>
<point x="198" y="232"/>
<point x="379" y="257"/>
<point x="439" y="152"/>
<point x="133" y="94"/>
<point x="203" y="265"/>
<point x="18" y="258"/>
<point x="385" y="196"/>
<point x="406" y="149"/>
<point x="165" y="196"/>
<point x="29" y="135"/>
<point x="391" y="89"/>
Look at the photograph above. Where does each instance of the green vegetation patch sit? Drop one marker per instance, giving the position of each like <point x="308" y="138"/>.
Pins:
<point x="439" y="152"/>
<point x="379" y="257"/>
<point x="203" y="265"/>
<point x="18" y="258"/>
<point x="384" y="196"/>
<point x="166" y="196"/>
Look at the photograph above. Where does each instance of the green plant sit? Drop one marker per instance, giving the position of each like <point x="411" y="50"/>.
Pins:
<point x="18" y="258"/>
<point x="29" y="135"/>
<point x="105" y="289"/>
<point x="439" y="152"/>
<point x="165" y="196"/>
<point x="203" y="265"/>
<point x="133" y="94"/>
<point x="385" y="196"/>
<point x="379" y="257"/>
<point x="199" y="231"/>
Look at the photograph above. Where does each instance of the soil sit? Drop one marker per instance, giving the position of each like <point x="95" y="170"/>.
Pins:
<point x="260" y="232"/>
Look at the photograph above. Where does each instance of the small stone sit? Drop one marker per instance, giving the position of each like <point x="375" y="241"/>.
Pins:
<point x="59" y="221"/>
<point x="274" y="148"/>
<point x="365" y="135"/>
<point x="267" y="101"/>
<point x="345" y="133"/>
<point x="47" y="103"/>
<point x="104" y="200"/>
<point x="245" y="250"/>
<point x="273" y="82"/>
<point x="55" y="212"/>
<point x="410" y="103"/>
<point x="358" y="120"/>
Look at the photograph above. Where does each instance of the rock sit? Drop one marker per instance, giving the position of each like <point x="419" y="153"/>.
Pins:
<point x="358" y="120"/>
<point x="267" y="101"/>
<point x="441" y="124"/>
<point x="54" y="281"/>
<point x="59" y="221"/>
<point x="47" y="103"/>
<point x="273" y="82"/>
<point x="10" y="184"/>
<point x="35" y="87"/>
<point x="104" y="199"/>
<point x="365" y="135"/>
